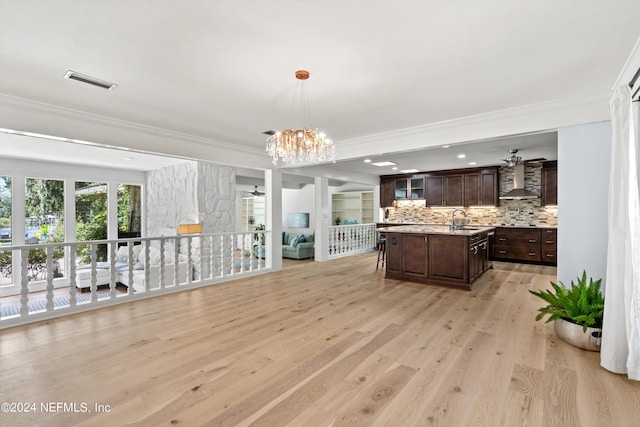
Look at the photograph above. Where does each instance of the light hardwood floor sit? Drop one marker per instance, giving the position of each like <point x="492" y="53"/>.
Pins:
<point x="317" y="344"/>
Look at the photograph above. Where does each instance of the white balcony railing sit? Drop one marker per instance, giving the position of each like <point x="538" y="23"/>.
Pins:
<point x="351" y="239"/>
<point x="139" y="268"/>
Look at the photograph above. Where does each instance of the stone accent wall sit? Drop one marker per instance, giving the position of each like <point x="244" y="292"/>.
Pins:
<point x="509" y="212"/>
<point x="190" y="192"/>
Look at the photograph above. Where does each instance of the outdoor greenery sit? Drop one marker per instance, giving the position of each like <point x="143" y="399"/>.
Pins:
<point x="44" y="209"/>
<point x="582" y="303"/>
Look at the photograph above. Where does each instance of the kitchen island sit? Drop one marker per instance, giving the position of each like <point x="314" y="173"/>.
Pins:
<point x="437" y="254"/>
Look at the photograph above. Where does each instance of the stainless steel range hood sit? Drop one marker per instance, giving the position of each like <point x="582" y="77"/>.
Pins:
<point x="518" y="191"/>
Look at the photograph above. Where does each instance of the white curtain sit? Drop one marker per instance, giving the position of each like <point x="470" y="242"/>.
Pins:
<point x="620" y="350"/>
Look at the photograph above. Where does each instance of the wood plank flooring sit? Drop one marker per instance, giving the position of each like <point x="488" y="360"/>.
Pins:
<point x="317" y="344"/>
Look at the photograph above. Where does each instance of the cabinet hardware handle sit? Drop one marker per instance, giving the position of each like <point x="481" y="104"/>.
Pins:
<point x="502" y="252"/>
<point x="550" y="241"/>
<point x="502" y="239"/>
<point x="549" y="256"/>
<point x="532" y="254"/>
<point x="532" y="240"/>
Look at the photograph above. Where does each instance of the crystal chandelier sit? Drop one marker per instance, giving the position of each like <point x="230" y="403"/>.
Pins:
<point x="301" y="146"/>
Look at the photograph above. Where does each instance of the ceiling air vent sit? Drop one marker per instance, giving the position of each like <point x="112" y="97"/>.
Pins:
<point x="72" y="75"/>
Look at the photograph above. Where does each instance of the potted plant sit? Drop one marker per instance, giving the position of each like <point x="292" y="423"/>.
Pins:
<point x="576" y="311"/>
<point x="338" y="220"/>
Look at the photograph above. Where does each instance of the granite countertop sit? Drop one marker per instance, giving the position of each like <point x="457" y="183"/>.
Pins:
<point x="399" y="224"/>
<point x="469" y="230"/>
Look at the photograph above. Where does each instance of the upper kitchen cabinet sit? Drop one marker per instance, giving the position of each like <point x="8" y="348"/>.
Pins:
<point x="387" y="192"/>
<point x="409" y="188"/>
<point x="454" y="190"/>
<point x="550" y="183"/>
<point x="434" y="190"/>
<point x="478" y="187"/>
<point x="461" y="187"/>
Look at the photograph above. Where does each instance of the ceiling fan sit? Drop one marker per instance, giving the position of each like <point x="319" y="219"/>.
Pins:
<point x="514" y="160"/>
<point x="255" y="192"/>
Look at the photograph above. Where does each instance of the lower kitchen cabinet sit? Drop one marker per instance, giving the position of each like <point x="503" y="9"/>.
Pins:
<point x="437" y="258"/>
<point x="532" y="245"/>
<point x="415" y="255"/>
<point x="448" y="258"/>
<point x="548" y="242"/>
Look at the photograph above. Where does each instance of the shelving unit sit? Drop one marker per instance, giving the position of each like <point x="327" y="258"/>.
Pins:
<point x="352" y="206"/>
<point x="252" y="207"/>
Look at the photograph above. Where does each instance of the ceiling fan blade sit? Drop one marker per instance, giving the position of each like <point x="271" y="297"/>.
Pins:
<point x="537" y="160"/>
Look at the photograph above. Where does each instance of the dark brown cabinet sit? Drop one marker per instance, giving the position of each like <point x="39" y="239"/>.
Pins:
<point x="549" y="182"/>
<point x="533" y="245"/>
<point x="478" y="255"/>
<point x="448" y="258"/>
<point x="488" y="187"/>
<point x="387" y="192"/>
<point x="472" y="189"/>
<point x="461" y="187"/>
<point x="453" y="190"/>
<point x="549" y="246"/>
<point x="409" y="188"/>
<point x="415" y="255"/>
<point x="436" y="258"/>
<point x="434" y="190"/>
<point x="394" y="252"/>
<point x="518" y="244"/>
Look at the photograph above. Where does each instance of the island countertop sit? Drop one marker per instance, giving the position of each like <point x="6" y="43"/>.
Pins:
<point x="437" y="229"/>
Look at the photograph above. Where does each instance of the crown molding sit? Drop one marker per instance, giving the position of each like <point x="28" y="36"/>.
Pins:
<point x="630" y="68"/>
<point x="545" y="116"/>
<point x="38" y="117"/>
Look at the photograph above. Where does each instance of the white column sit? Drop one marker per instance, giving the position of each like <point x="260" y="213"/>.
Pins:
<point x="273" y="208"/>
<point x="323" y="216"/>
<point x="376" y="204"/>
<point x="69" y="222"/>
<point x="18" y="192"/>
<point x="112" y="210"/>
<point x="69" y="210"/>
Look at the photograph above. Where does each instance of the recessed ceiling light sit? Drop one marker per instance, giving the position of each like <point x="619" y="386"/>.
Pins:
<point x="128" y="158"/>
<point x="367" y="160"/>
<point x="446" y="146"/>
<point x="410" y="170"/>
<point x="462" y="156"/>
<point x="473" y="163"/>
<point x="394" y="168"/>
<point x="382" y="164"/>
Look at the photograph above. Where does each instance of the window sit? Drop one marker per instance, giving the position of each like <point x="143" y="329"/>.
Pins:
<point x="5" y="229"/>
<point x="129" y="211"/>
<point x="91" y="219"/>
<point x="44" y="223"/>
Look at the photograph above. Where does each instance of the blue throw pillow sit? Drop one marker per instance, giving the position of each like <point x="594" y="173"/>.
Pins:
<point x="301" y="238"/>
<point x="284" y="237"/>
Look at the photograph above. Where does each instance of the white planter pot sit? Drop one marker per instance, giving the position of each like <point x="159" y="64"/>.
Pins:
<point x="573" y="334"/>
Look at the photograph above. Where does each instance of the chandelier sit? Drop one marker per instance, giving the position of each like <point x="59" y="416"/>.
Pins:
<point x="301" y="146"/>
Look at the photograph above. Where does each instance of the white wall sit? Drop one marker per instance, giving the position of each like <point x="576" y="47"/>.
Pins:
<point x="299" y="201"/>
<point x="584" y="153"/>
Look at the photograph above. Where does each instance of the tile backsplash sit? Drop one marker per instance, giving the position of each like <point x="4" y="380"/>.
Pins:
<point x="509" y="212"/>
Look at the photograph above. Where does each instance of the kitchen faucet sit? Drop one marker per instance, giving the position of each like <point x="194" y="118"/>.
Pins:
<point x="453" y="217"/>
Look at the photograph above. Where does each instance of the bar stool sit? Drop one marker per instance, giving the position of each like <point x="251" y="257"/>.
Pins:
<point x="382" y="247"/>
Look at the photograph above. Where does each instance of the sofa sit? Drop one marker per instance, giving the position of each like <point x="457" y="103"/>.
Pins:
<point x="103" y="269"/>
<point x="294" y="246"/>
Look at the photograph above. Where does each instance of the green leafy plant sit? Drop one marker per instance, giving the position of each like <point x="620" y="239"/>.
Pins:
<point x="582" y="303"/>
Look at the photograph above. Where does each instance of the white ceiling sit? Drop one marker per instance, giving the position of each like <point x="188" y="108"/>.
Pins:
<point x="223" y="71"/>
